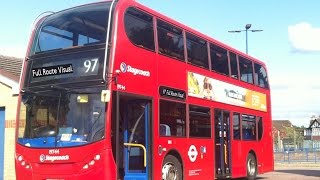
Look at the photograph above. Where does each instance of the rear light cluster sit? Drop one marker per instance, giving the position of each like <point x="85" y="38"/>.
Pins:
<point x="92" y="162"/>
<point x="22" y="162"/>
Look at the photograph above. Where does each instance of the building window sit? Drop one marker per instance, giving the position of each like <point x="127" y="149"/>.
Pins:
<point x="139" y="28"/>
<point x="199" y="121"/>
<point x="172" y="118"/>
<point x="170" y="39"/>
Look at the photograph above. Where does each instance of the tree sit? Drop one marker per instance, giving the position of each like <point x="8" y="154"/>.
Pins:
<point x="294" y="135"/>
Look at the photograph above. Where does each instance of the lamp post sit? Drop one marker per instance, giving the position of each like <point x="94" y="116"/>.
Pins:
<point x="247" y="27"/>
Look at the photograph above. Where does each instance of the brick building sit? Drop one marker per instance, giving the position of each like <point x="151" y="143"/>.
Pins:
<point x="10" y="69"/>
<point x="279" y="133"/>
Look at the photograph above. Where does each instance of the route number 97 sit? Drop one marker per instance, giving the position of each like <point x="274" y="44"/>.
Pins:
<point x="90" y="65"/>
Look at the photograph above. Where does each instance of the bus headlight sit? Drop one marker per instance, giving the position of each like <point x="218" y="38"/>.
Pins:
<point x="91" y="162"/>
<point x="23" y="162"/>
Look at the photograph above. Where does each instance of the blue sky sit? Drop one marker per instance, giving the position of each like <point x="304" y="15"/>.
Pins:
<point x="289" y="43"/>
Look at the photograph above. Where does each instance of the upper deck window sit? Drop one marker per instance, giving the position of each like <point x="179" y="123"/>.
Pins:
<point x="197" y="51"/>
<point x="170" y="39"/>
<point x="219" y="59"/>
<point x="139" y="28"/>
<point x="261" y="76"/>
<point x="246" y="70"/>
<point x="233" y="65"/>
<point x="79" y="26"/>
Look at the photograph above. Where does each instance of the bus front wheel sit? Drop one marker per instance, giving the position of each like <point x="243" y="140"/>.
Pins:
<point x="171" y="168"/>
<point x="251" y="167"/>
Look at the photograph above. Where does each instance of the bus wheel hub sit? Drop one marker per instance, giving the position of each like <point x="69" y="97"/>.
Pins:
<point x="169" y="172"/>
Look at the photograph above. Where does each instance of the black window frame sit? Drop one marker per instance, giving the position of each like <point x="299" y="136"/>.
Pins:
<point x="169" y="123"/>
<point x="193" y="55"/>
<point x="89" y="21"/>
<point x="199" y="111"/>
<point x="219" y="64"/>
<point x="250" y="119"/>
<point x="261" y="77"/>
<point x="173" y="32"/>
<point x="246" y="70"/>
<point x="238" y="125"/>
<point x="260" y="127"/>
<point x="234" y="66"/>
<point x="142" y="17"/>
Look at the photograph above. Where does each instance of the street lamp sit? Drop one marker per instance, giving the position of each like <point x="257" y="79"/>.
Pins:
<point x="248" y="26"/>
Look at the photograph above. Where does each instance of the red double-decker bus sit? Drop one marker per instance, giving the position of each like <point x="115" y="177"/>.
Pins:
<point x="115" y="90"/>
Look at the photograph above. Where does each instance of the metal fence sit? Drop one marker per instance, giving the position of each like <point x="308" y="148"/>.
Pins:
<point x="299" y="156"/>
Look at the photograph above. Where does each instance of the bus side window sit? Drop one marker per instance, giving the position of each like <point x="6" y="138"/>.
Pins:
<point x="233" y="65"/>
<point x="260" y="128"/>
<point x="236" y="126"/>
<point x="139" y="28"/>
<point x="172" y="119"/>
<point x="170" y="39"/>
<point x="249" y="127"/>
<point x="219" y="59"/>
<point x="165" y="130"/>
<point x="199" y="122"/>
<point x="260" y="74"/>
<point x="197" y="51"/>
<point x="246" y="70"/>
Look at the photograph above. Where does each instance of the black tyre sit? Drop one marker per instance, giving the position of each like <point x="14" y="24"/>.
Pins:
<point x="171" y="168"/>
<point x="251" y="167"/>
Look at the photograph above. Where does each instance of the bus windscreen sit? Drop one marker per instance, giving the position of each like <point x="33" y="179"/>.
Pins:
<point x="79" y="26"/>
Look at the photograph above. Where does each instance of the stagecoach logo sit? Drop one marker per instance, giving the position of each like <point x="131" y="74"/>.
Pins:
<point x="135" y="71"/>
<point x="44" y="158"/>
<point x="192" y="153"/>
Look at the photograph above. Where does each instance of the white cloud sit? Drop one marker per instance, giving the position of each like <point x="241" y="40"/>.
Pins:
<point x="295" y="99"/>
<point x="18" y="51"/>
<point x="304" y="37"/>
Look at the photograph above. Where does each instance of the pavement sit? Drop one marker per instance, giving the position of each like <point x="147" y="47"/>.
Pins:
<point x="293" y="171"/>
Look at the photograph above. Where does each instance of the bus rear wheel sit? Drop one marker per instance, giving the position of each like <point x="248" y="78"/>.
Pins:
<point x="171" y="168"/>
<point x="251" y="167"/>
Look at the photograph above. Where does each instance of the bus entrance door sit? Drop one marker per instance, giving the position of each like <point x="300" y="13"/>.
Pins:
<point x="222" y="144"/>
<point x="136" y="120"/>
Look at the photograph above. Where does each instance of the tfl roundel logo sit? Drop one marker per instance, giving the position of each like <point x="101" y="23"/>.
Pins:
<point x="123" y="67"/>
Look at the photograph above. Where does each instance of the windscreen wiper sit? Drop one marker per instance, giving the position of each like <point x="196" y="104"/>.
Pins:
<point x="68" y="90"/>
<point x="27" y="90"/>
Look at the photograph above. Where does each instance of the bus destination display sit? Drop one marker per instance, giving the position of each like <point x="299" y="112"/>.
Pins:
<point x="62" y="68"/>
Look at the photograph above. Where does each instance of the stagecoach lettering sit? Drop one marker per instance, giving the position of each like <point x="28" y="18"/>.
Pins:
<point x="44" y="158"/>
<point x="135" y="71"/>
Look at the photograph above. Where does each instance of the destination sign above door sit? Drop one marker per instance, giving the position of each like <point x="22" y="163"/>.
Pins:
<point x="172" y="93"/>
